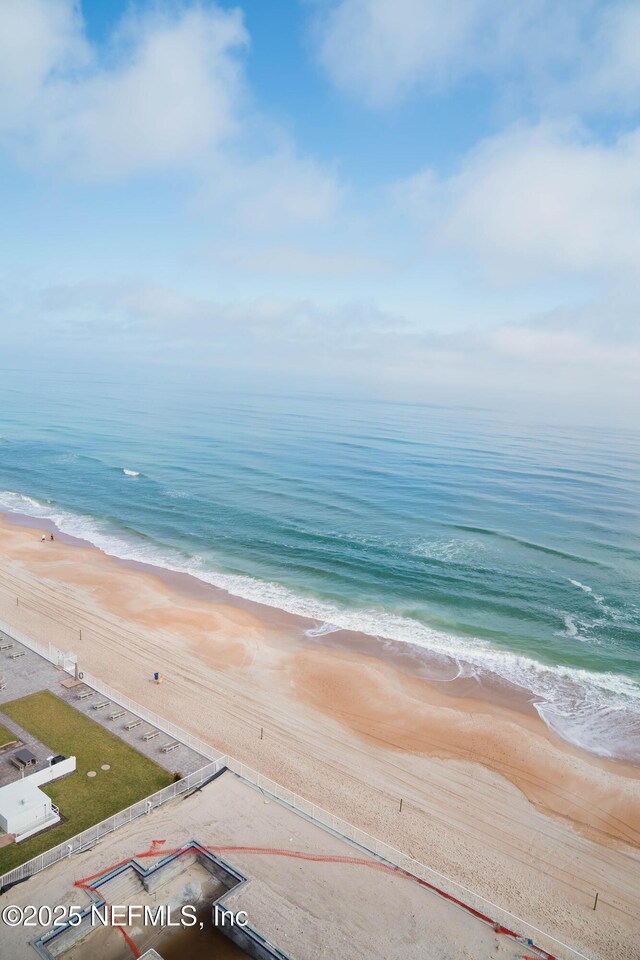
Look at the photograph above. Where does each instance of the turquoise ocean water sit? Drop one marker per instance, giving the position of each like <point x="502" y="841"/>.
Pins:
<point x="511" y="546"/>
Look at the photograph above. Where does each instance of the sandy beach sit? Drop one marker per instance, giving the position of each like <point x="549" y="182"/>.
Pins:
<point x="489" y="795"/>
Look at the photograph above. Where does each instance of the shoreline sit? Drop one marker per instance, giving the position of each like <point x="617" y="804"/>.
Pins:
<point x="491" y="797"/>
<point x="411" y="659"/>
<point x="448" y="675"/>
<point x="401" y="667"/>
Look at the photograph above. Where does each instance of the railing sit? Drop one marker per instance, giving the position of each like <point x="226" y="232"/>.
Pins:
<point x="199" y="746"/>
<point x="56" y="656"/>
<point x="383" y="851"/>
<point x="13" y="634"/>
<point x="342" y="828"/>
<point x="91" y="836"/>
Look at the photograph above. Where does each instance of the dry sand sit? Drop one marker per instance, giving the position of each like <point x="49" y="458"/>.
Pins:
<point x="490" y="796"/>
<point x="313" y="909"/>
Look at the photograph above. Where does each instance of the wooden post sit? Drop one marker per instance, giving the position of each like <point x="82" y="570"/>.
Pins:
<point x="595" y="902"/>
<point x="400" y="805"/>
<point x="261" y="732"/>
<point x="80" y="632"/>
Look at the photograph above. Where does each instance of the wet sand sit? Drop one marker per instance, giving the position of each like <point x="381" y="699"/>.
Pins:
<point x="490" y="795"/>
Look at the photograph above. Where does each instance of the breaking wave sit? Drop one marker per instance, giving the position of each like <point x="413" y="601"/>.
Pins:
<point x="599" y="712"/>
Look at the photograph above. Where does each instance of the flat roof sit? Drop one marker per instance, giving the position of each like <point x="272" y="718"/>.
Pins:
<point x="309" y="892"/>
<point x="19" y="796"/>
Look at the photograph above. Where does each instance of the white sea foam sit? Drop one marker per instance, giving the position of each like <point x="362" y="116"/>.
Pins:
<point x="597" y="711"/>
<point x="130" y="473"/>
<point x="20" y="503"/>
<point x="447" y="550"/>
<point x="597" y="599"/>
<point x="606" y="728"/>
<point x="322" y="630"/>
<point x="581" y="586"/>
<point x="571" y="629"/>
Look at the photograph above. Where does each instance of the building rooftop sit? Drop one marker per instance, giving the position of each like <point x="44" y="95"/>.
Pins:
<point x="19" y="796"/>
<point x="24" y="758"/>
<point x="309" y="892"/>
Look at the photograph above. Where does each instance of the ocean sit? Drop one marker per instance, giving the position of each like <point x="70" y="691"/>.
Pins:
<point x="512" y="547"/>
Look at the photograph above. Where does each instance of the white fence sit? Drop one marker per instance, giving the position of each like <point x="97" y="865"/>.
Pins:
<point x="53" y="771"/>
<point x="59" y="657"/>
<point x="382" y="850"/>
<point x="91" y="836"/>
<point x="204" y="749"/>
<point x="342" y="828"/>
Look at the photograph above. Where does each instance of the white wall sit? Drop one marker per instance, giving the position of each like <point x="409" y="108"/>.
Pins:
<point x="54" y="772"/>
<point x="33" y="815"/>
<point x="24" y="808"/>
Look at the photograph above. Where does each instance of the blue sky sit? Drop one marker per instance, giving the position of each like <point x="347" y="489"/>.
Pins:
<point x="407" y="198"/>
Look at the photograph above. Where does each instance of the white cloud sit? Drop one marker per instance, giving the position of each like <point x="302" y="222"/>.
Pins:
<point x="564" y="364"/>
<point x="610" y="77"/>
<point x="576" y="54"/>
<point x="538" y="201"/>
<point x="37" y="37"/>
<point x="299" y="261"/>
<point x="378" y="49"/>
<point x="170" y="316"/>
<point x="167" y="93"/>
<point x="272" y="190"/>
<point x="173" y="96"/>
<point x="168" y="90"/>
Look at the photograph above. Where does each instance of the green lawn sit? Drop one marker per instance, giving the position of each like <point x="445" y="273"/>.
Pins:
<point x="6" y="736"/>
<point x="83" y="800"/>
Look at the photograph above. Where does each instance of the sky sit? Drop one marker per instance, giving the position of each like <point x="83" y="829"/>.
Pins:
<point x="413" y="199"/>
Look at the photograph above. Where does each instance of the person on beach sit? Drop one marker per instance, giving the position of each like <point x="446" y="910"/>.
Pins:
<point x="50" y="536"/>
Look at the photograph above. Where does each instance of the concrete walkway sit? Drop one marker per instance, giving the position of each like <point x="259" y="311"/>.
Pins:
<point x="31" y="673"/>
